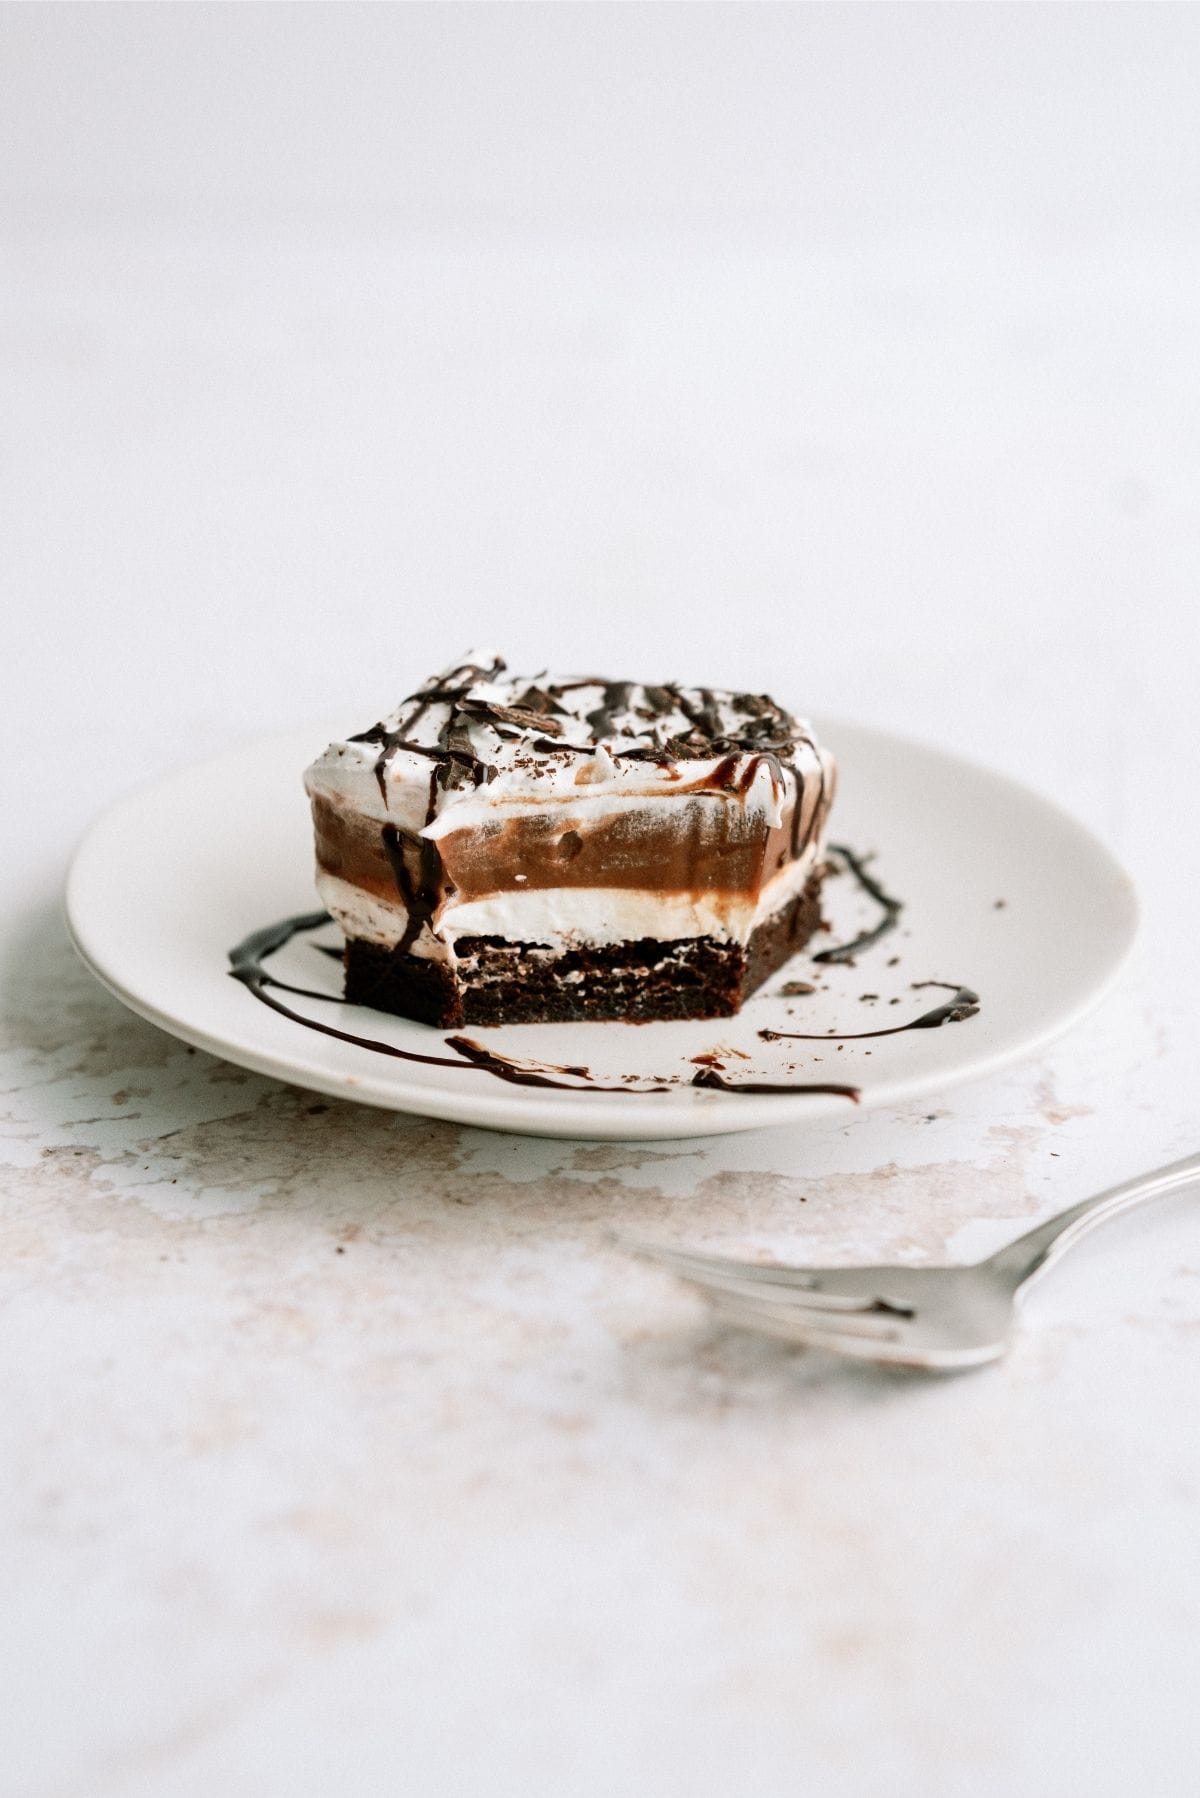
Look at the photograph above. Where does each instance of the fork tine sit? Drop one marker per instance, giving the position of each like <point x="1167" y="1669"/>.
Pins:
<point x="755" y="1270"/>
<point x="833" y="1338"/>
<point x="766" y="1301"/>
<point x="788" y="1326"/>
<point x="719" y="1269"/>
<point x="870" y="1327"/>
<point x="783" y="1284"/>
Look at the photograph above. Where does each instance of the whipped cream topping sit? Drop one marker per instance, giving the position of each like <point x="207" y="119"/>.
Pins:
<point x="497" y="739"/>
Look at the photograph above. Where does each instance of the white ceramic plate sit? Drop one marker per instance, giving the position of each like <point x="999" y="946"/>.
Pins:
<point x="171" y="878"/>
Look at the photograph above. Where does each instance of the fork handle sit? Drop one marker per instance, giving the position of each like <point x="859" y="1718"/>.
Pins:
<point x="1032" y="1253"/>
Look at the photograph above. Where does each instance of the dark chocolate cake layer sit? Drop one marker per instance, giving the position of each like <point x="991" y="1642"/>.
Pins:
<point x="499" y="982"/>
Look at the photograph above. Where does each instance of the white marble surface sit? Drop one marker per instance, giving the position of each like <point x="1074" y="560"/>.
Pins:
<point x="339" y="1451"/>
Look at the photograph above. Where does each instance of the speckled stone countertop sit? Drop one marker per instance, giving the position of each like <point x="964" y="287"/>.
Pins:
<point x="343" y="1439"/>
<point x="340" y="1452"/>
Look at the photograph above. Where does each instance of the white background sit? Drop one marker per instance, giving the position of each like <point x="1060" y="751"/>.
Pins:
<point x="850" y="352"/>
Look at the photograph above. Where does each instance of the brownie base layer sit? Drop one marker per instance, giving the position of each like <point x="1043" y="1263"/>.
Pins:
<point x="498" y="982"/>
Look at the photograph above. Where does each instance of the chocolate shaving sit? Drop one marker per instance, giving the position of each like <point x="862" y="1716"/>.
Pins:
<point x="515" y="715"/>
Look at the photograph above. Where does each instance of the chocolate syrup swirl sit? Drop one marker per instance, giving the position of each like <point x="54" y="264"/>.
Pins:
<point x="964" y="1004"/>
<point x="710" y="1077"/>
<point x="891" y="909"/>
<point x="519" y="1073"/>
<point x="247" y="964"/>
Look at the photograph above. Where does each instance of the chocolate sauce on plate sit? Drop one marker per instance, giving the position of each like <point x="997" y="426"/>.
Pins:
<point x="710" y="1077"/>
<point x="519" y="1073"/>
<point x="891" y="909"/>
<point x="964" y="1004"/>
<point x="247" y="964"/>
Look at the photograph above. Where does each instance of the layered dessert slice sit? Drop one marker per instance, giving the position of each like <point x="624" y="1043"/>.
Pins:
<point x="504" y="850"/>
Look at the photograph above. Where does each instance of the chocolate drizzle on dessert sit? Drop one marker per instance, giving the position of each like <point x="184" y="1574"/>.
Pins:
<point x="423" y="894"/>
<point x="735" y="774"/>
<point x="628" y="711"/>
<point x="449" y="689"/>
<point x="819" y="809"/>
<point x="449" y="757"/>
<point x="704" y="718"/>
<point x="964" y="1004"/>
<point x="247" y="964"/>
<point x="663" y="724"/>
<point x="891" y="909"/>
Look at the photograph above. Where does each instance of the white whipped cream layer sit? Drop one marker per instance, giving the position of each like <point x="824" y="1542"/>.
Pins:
<point x="564" y="918"/>
<point x="525" y="773"/>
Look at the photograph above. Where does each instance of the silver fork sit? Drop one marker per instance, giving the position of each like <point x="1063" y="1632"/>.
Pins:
<point x="932" y="1317"/>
